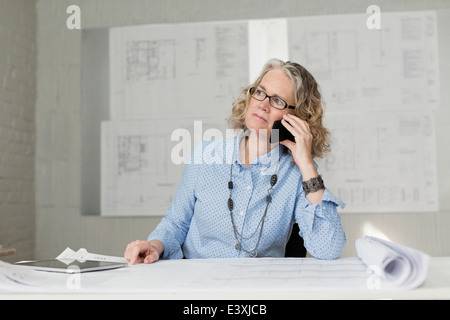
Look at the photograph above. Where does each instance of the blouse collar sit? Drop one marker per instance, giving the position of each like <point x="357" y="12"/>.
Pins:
<point x="267" y="161"/>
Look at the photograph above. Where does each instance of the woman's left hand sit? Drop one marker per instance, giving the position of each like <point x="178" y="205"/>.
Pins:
<point x="302" y="147"/>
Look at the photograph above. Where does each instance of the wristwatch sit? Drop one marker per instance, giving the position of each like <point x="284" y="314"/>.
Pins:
<point x="313" y="185"/>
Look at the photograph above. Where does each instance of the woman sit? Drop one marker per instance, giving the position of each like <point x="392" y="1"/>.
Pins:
<point x="246" y="205"/>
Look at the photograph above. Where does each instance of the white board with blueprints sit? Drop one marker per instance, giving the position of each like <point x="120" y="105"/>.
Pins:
<point x="380" y="87"/>
<point x="164" y="78"/>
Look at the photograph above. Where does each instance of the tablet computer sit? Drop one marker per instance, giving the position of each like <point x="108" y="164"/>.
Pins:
<point x="71" y="266"/>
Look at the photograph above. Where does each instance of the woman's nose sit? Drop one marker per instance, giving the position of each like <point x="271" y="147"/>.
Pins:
<point x="264" y="105"/>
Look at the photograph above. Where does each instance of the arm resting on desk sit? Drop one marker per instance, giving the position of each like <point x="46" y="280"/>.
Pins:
<point x="320" y="225"/>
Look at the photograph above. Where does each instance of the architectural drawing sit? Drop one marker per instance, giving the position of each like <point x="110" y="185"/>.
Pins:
<point x="147" y="60"/>
<point x="382" y="163"/>
<point x="393" y="67"/>
<point x="379" y="87"/>
<point x="129" y="154"/>
<point x="139" y="172"/>
<point x="177" y="69"/>
<point x="376" y="85"/>
<point x="138" y="177"/>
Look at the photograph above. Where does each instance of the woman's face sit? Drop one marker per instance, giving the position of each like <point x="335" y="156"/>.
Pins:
<point x="260" y="114"/>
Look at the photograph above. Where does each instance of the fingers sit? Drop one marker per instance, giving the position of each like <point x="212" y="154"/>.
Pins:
<point x="152" y="257"/>
<point x="135" y="255"/>
<point x="288" y="143"/>
<point x="137" y="251"/>
<point x="298" y="127"/>
<point x="129" y="252"/>
<point x="295" y="125"/>
<point x="301" y="148"/>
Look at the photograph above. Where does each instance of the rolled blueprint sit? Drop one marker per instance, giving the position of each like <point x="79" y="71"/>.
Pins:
<point x="398" y="266"/>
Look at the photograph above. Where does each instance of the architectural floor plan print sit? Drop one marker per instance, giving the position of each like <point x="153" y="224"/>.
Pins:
<point x="393" y="67"/>
<point x="140" y="172"/>
<point x="138" y="176"/>
<point x="147" y="60"/>
<point x="382" y="163"/>
<point x="177" y="69"/>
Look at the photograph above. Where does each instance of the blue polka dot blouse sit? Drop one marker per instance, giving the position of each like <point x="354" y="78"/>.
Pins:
<point x="197" y="224"/>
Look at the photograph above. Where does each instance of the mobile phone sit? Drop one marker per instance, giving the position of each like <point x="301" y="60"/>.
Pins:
<point x="280" y="133"/>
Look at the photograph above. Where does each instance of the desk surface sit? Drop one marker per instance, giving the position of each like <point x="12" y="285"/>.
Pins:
<point x="436" y="286"/>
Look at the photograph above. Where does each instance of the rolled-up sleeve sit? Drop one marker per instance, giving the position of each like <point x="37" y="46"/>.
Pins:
<point x="320" y="225"/>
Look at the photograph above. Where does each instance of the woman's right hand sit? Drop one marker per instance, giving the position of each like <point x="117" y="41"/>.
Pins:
<point x="141" y="251"/>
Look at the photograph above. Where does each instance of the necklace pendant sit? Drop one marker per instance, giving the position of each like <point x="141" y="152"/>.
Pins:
<point x="273" y="179"/>
<point x="238" y="246"/>
<point x="230" y="204"/>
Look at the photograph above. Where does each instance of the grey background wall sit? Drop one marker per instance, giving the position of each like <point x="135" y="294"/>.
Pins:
<point x="52" y="206"/>
<point x="17" y="126"/>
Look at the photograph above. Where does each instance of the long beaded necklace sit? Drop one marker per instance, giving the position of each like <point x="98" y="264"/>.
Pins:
<point x="238" y="246"/>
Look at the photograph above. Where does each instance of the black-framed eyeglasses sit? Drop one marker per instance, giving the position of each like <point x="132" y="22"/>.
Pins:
<point x="274" y="101"/>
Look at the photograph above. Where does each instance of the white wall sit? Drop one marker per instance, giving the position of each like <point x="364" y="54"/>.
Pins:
<point x="58" y="219"/>
<point x="17" y="126"/>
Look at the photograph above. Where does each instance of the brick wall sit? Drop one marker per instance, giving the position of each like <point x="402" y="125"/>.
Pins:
<point x="17" y="127"/>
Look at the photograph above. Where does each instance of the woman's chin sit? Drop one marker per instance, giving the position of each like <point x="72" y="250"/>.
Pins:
<point x="259" y="130"/>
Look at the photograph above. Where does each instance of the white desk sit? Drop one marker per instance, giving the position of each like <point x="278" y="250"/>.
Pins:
<point x="436" y="286"/>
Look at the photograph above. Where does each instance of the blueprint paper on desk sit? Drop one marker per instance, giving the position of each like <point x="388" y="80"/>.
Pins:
<point x="390" y="265"/>
<point x="398" y="266"/>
